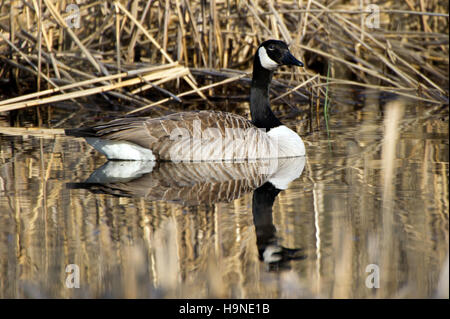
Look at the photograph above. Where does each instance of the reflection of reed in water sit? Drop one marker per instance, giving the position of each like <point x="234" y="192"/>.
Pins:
<point x="207" y="183"/>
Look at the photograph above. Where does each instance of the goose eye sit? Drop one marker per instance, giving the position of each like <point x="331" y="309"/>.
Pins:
<point x="271" y="47"/>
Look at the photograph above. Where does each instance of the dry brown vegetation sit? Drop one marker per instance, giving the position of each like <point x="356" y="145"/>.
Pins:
<point x="141" y="54"/>
<point x="151" y="55"/>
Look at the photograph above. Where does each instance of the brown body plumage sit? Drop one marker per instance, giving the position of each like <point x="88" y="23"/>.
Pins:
<point x="186" y="136"/>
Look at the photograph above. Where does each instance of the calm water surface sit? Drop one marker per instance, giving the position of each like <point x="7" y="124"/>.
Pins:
<point x="193" y="230"/>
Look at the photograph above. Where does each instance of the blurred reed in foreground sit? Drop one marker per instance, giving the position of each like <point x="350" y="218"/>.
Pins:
<point x="149" y="53"/>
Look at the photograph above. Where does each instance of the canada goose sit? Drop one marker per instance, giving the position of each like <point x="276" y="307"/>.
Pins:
<point x="206" y="135"/>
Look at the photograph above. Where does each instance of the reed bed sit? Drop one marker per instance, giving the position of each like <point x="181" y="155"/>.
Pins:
<point x="147" y="54"/>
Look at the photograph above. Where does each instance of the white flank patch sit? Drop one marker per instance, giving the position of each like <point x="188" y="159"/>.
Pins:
<point x="265" y="60"/>
<point x="289" y="143"/>
<point x="288" y="170"/>
<point x="121" y="150"/>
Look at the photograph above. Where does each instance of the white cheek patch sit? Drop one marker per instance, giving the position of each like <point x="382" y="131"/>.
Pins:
<point x="265" y="60"/>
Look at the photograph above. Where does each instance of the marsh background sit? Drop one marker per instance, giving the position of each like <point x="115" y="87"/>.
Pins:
<point x="371" y="105"/>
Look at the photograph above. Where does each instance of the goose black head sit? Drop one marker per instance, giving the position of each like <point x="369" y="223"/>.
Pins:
<point x="274" y="53"/>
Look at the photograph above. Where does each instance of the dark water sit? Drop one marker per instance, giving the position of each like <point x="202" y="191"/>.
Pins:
<point x="354" y="220"/>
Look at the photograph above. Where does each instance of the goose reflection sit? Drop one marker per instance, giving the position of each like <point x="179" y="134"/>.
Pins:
<point x="199" y="183"/>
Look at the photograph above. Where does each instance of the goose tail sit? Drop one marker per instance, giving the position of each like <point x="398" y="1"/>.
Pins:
<point x="81" y="132"/>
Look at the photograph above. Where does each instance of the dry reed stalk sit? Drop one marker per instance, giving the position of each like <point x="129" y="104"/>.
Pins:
<point x="32" y="131"/>
<point x="136" y="33"/>
<point x="117" y="12"/>
<point x="394" y="113"/>
<point x="165" y="27"/>
<point x="197" y="38"/>
<point x="183" y="31"/>
<point x="38" y="9"/>
<point x="163" y="76"/>
<point x="168" y="77"/>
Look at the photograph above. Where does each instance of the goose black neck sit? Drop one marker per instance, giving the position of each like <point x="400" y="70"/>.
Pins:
<point x="262" y="115"/>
